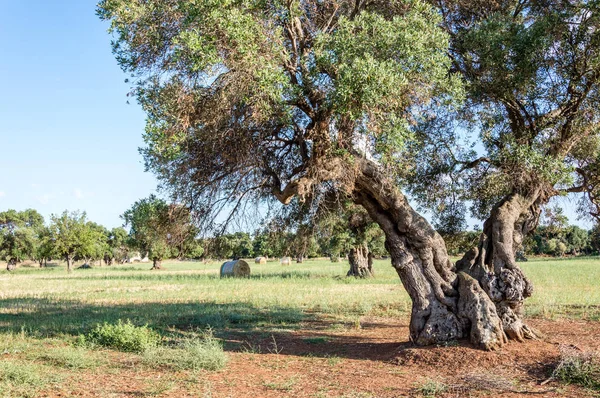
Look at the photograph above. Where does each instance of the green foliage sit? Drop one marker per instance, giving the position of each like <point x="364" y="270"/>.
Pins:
<point x="159" y="229"/>
<point x="72" y="235"/>
<point x="122" y="336"/>
<point x="20" y="234"/>
<point x="304" y="81"/>
<point x="205" y="353"/>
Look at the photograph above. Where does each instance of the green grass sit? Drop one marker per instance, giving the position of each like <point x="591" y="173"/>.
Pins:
<point x="23" y="379"/>
<point x="197" y="353"/>
<point x="42" y="311"/>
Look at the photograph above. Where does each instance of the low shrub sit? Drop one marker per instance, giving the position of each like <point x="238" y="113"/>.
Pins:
<point x="122" y="336"/>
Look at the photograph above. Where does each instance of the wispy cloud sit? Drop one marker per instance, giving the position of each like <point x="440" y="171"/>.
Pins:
<point x="2" y="194"/>
<point x="45" y="198"/>
<point x="81" y="194"/>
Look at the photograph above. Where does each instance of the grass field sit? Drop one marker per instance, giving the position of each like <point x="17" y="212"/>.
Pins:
<point x="42" y="311"/>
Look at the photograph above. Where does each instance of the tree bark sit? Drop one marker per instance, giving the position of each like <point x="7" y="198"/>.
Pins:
<point x="11" y="265"/>
<point x="156" y="264"/>
<point x="361" y="262"/>
<point x="445" y="306"/>
<point x="493" y="262"/>
<point x="69" y="264"/>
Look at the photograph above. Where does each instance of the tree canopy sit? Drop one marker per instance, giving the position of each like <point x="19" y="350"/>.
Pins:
<point x="158" y="229"/>
<point x="261" y="99"/>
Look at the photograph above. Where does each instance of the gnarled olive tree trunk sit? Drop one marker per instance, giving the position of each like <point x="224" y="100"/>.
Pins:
<point x="156" y="264"/>
<point x="361" y="262"/>
<point x="446" y="305"/>
<point x="493" y="261"/>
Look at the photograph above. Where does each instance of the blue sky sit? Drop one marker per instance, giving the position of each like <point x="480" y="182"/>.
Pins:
<point x="68" y="139"/>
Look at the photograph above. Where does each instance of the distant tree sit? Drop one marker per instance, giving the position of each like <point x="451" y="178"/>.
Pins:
<point x="118" y="249"/>
<point x="73" y="236"/>
<point x="594" y="236"/>
<point x="44" y="249"/>
<point x="577" y="239"/>
<point x="157" y="228"/>
<point x="19" y="235"/>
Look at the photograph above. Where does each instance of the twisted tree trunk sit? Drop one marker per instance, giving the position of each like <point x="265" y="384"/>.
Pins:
<point x="493" y="261"/>
<point x="361" y="262"/>
<point x="156" y="264"/>
<point x="11" y="265"/>
<point x="446" y="305"/>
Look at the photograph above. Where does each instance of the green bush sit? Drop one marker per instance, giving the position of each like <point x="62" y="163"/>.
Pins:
<point x="123" y="336"/>
<point x="193" y="354"/>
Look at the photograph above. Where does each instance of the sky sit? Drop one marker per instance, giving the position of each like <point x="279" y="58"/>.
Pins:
<point x="68" y="138"/>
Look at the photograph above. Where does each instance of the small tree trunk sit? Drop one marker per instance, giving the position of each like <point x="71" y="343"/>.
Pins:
<point x="445" y="306"/>
<point x="69" y="264"/>
<point x="361" y="262"/>
<point x="156" y="264"/>
<point x="11" y="265"/>
<point x="300" y="259"/>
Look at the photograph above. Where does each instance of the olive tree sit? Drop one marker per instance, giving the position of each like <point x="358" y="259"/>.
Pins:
<point x="532" y="68"/>
<point x="251" y="101"/>
<point x="19" y="235"/>
<point x="72" y="236"/>
<point x="157" y="228"/>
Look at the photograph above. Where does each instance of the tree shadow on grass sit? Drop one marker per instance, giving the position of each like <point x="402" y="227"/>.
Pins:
<point x="42" y="317"/>
<point x="242" y="326"/>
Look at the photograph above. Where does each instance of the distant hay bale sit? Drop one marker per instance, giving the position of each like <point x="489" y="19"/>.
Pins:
<point x="285" y="261"/>
<point x="235" y="268"/>
<point x="260" y="260"/>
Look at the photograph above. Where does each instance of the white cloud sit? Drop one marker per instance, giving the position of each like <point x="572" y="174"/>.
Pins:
<point x="45" y="198"/>
<point x="2" y="194"/>
<point x="81" y="194"/>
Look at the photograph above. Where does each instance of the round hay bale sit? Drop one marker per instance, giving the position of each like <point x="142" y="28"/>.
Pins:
<point x="285" y="261"/>
<point x="260" y="260"/>
<point x="235" y="268"/>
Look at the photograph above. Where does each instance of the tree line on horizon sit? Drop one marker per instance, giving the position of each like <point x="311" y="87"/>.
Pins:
<point x="161" y="231"/>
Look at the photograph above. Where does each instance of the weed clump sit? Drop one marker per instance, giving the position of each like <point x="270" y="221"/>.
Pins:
<point x="578" y="367"/>
<point x="432" y="388"/>
<point x="122" y="336"/>
<point x="204" y="352"/>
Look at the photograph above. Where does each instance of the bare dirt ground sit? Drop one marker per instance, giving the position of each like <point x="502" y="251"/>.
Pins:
<point x="372" y="359"/>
